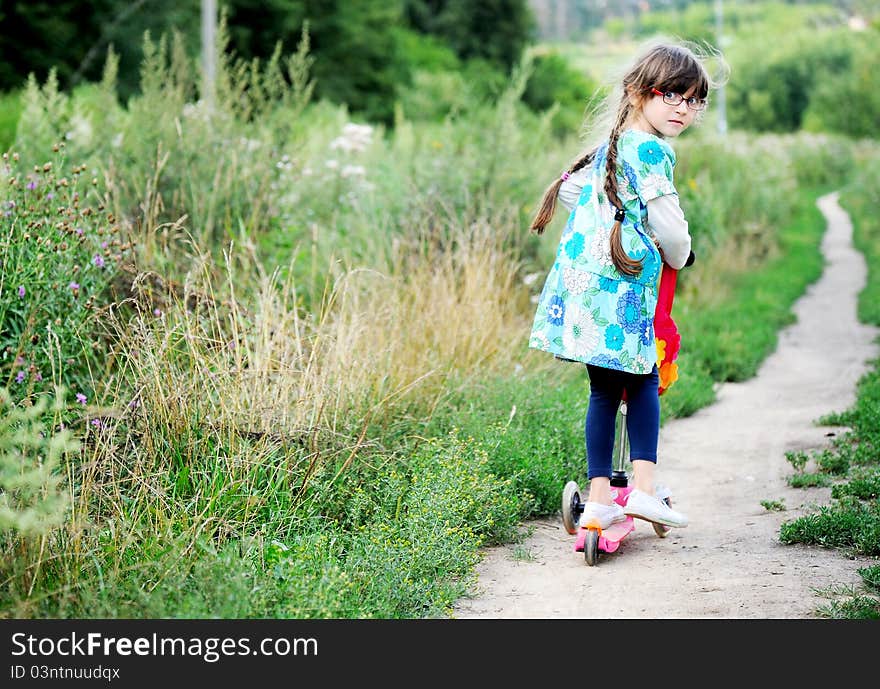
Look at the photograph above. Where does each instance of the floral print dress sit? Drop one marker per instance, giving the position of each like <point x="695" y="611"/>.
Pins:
<point x="588" y="311"/>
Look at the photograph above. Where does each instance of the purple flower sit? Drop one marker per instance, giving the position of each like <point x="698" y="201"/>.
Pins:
<point x="21" y="291"/>
<point x="96" y="423"/>
<point x="38" y="376"/>
<point x="157" y="312"/>
<point x="81" y="398"/>
<point x="20" y="377"/>
<point x="31" y="185"/>
<point x="103" y="245"/>
<point x="74" y="286"/>
<point x="98" y="260"/>
<point x="50" y="196"/>
<point x="79" y="231"/>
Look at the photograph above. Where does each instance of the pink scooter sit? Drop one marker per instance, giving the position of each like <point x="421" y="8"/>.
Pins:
<point x="592" y="539"/>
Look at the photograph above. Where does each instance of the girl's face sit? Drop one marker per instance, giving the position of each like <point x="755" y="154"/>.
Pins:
<point x="658" y="118"/>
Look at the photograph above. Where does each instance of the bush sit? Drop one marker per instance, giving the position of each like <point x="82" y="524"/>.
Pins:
<point x="553" y="82"/>
<point x="807" y="77"/>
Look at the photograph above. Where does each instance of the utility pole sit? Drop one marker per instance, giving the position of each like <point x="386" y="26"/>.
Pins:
<point x="719" y="38"/>
<point x="209" y="50"/>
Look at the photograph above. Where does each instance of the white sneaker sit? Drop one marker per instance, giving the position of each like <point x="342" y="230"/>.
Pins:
<point x="653" y="509"/>
<point x="606" y="515"/>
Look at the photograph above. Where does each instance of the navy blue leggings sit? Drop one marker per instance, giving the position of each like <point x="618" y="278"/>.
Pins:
<point x="642" y="419"/>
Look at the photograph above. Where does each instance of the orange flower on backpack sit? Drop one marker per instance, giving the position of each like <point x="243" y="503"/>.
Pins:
<point x="668" y="375"/>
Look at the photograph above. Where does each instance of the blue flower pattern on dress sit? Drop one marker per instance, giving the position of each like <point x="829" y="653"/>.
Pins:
<point x="556" y="311"/>
<point x="614" y="337"/>
<point x="651" y="153"/>
<point x="619" y="308"/>
<point x="629" y="311"/>
<point x="574" y="247"/>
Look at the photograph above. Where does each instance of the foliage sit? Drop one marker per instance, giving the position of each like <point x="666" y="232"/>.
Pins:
<point x="60" y="250"/>
<point x="10" y="111"/>
<point x="495" y="30"/>
<point x="39" y="37"/>
<point x="32" y="500"/>
<point x="553" y="83"/>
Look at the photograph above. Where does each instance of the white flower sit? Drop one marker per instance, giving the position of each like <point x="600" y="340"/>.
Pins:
<point x="353" y="171"/>
<point x="332" y="164"/>
<point x="655" y="184"/>
<point x="581" y="334"/>
<point x="575" y="281"/>
<point x="81" y="129"/>
<point x="643" y="365"/>
<point x="529" y="279"/>
<point x="354" y="138"/>
<point x="539" y="341"/>
<point x="250" y="144"/>
<point x="600" y="248"/>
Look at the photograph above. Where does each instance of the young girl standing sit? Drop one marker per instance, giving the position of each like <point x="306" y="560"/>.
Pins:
<point x="597" y="305"/>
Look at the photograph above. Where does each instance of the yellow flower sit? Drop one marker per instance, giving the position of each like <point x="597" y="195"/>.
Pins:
<point x="661" y="350"/>
<point x="692" y="183"/>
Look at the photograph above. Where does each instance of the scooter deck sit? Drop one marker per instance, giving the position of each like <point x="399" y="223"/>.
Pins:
<point x="610" y="538"/>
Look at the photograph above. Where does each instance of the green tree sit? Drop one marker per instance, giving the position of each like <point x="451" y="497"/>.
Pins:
<point x="495" y="30"/>
<point x="352" y="41"/>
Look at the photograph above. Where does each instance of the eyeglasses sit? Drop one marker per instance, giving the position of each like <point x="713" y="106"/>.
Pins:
<point x="673" y="98"/>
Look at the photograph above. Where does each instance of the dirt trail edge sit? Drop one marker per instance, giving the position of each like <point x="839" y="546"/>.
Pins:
<point x="720" y="464"/>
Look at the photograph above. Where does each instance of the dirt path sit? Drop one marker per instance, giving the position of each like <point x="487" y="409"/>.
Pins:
<point x="720" y="464"/>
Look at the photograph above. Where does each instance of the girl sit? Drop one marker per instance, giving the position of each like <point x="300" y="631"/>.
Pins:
<point x="598" y="302"/>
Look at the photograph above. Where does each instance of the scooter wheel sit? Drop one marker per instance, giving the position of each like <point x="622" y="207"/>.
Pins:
<point x="661" y="529"/>
<point x="571" y="501"/>
<point x="591" y="547"/>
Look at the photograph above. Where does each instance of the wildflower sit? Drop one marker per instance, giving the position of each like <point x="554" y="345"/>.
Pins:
<point x="21" y="291"/>
<point x="81" y="398"/>
<point x="355" y="137"/>
<point x="157" y="312"/>
<point x="96" y="423"/>
<point x="21" y="376"/>
<point x="353" y="171"/>
<point x="31" y="185"/>
<point x="98" y="260"/>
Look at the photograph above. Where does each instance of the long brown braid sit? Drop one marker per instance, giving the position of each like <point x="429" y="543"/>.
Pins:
<point x="625" y="264"/>
<point x="548" y="201"/>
